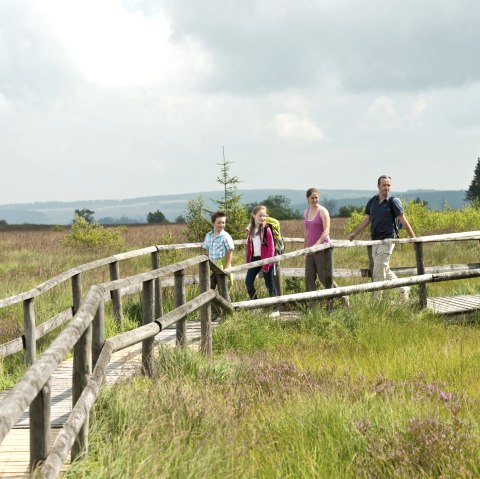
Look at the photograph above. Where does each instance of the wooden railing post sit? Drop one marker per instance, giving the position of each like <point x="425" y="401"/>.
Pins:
<point x="158" y="286"/>
<point x="29" y="331"/>
<point x="147" y="318"/>
<point x="422" y="288"/>
<point x="40" y="406"/>
<point x="370" y="260"/>
<point x="180" y="298"/>
<point x="222" y="285"/>
<point x="116" y="294"/>
<point x="40" y="411"/>
<point x="329" y="274"/>
<point x="98" y="333"/>
<point x="205" y="311"/>
<point x="277" y="278"/>
<point x="82" y="360"/>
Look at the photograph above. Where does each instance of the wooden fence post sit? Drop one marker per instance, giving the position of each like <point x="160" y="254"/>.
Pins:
<point x="277" y="278"/>
<point x="116" y="294"/>
<point x="39" y="410"/>
<point x="222" y="285"/>
<point x="98" y="333"/>
<point x="148" y="314"/>
<point x="328" y="256"/>
<point x="82" y="360"/>
<point x="29" y="331"/>
<point x="158" y="286"/>
<point x="370" y="260"/>
<point x="422" y="288"/>
<point x="40" y="426"/>
<point x="180" y="298"/>
<point x="205" y="311"/>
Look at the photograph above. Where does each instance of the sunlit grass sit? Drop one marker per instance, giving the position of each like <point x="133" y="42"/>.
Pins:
<point x="366" y="392"/>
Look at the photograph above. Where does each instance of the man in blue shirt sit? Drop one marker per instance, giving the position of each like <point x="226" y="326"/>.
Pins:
<point x="380" y="214"/>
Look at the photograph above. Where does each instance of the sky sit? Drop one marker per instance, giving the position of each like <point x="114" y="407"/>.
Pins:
<point x="112" y="99"/>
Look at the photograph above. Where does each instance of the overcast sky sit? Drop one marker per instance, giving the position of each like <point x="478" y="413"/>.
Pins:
<point x="118" y="99"/>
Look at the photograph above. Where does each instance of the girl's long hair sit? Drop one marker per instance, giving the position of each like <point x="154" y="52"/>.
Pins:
<point x="252" y="219"/>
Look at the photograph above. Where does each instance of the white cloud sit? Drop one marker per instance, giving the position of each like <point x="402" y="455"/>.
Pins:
<point x="5" y="106"/>
<point x="292" y="127"/>
<point x="381" y="114"/>
<point x="117" y="48"/>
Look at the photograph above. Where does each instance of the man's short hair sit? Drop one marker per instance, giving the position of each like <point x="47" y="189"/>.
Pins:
<point x="383" y="177"/>
<point x="218" y="214"/>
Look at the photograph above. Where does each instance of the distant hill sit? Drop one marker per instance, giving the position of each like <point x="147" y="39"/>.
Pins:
<point x="136" y="209"/>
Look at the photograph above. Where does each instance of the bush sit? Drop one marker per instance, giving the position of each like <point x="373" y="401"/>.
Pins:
<point x="197" y="224"/>
<point x="93" y="235"/>
<point x="425" y="222"/>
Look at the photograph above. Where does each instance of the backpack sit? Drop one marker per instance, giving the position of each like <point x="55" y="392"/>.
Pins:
<point x="274" y="226"/>
<point x="398" y="226"/>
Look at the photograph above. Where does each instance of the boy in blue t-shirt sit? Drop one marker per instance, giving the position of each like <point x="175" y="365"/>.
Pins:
<point x="219" y="246"/>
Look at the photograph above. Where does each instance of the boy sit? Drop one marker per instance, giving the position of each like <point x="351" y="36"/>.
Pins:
<point x="219" y="246"/>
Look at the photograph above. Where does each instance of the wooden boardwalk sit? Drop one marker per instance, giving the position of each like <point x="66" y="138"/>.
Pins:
<point x="15" y="449"/>
<point x="454" y="305"/>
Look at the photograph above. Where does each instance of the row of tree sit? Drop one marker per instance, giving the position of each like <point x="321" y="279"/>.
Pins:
<point x="279" y="206"/>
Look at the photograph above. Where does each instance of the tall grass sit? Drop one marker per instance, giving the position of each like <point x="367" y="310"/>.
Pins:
<point x="371" y="392"/>
<point x="378" y="390"/>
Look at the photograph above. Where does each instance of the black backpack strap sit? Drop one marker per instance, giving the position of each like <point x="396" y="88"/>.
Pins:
<point x="390" y="205"/>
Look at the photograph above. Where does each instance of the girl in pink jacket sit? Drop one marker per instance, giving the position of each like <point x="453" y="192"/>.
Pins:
<point x="260" y="245"/>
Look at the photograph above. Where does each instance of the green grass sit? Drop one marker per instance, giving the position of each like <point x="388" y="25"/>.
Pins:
<point x="378" y="390"/>
<point x="373" y="391"/>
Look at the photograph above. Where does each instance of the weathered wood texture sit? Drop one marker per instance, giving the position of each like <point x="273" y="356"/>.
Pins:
<point x="359" y="288"/>
<point x="454" y="305"/>
<point x="32" y="293"/>
<point x="14" y="450"/>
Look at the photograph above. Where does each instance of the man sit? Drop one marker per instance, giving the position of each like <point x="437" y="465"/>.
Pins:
<point x="380" y="214"/>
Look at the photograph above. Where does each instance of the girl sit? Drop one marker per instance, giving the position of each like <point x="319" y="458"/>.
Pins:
<point x="260" y="245"/>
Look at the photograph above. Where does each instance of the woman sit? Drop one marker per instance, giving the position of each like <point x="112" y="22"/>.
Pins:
<point x="316" y="221"/>
<point x="260" y="245"/>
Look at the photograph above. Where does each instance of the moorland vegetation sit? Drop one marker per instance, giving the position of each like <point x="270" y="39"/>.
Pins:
<point x="376" y="390"/>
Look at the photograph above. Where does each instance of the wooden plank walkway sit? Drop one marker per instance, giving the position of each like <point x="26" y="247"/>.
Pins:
<point x="15" y="448"/>
<point x="454" y="305"/>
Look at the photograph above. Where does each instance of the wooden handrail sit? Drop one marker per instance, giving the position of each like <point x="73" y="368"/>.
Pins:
<point x="358" y="288"/>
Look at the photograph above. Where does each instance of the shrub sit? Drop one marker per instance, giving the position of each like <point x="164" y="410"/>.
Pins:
<point x="93" y="235"/>
<point x="425" y="222"/>
<point x="197" y="224"/>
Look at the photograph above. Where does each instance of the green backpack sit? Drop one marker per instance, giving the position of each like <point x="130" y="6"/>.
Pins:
<point x="274" y="225"/>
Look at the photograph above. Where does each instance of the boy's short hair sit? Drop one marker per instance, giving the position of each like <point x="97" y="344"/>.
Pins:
<point x="218" y="214"/>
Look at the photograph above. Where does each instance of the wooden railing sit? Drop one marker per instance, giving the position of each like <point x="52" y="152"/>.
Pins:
<point x="439" y="273"/>
<point x="33" y="332"/>
<point x="85" y="334"/>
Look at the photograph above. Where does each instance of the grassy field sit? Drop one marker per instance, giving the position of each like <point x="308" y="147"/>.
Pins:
<point x="377" y="390"/>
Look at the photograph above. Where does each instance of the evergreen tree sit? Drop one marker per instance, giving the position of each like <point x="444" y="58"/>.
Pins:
<point x="473" y="193"/>
<point x="237" y="217"/>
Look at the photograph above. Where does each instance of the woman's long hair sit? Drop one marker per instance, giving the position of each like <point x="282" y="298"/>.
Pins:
<point x="252" y="219"/>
